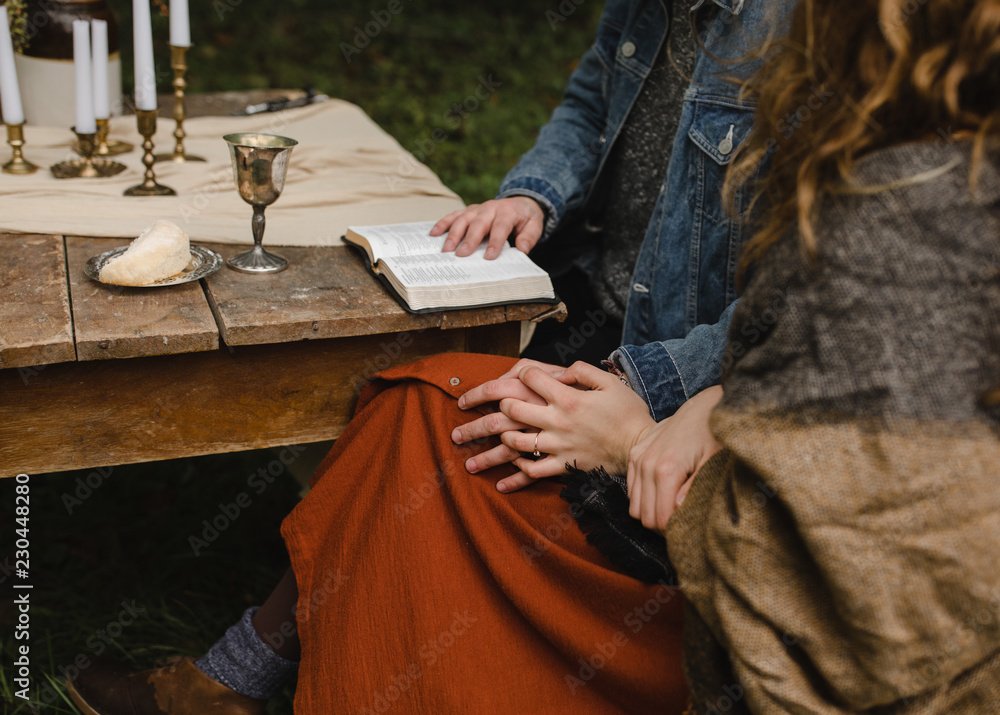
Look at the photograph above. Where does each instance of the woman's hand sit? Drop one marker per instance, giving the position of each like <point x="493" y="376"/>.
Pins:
<point x="496" y="218"/>
<point x="588" y="418"/>
<point x="486" y="398"/>
<point x="664" y="461"/>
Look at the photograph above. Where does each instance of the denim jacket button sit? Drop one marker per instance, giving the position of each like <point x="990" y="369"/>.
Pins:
<point x="726" y="145"/>
<point x="628" y="49"/>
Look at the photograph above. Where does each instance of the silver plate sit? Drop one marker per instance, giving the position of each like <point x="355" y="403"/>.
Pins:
<point x="204" y="262"/>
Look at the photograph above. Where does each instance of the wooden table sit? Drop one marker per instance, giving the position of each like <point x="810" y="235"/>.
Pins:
<point x="94" y="375"/>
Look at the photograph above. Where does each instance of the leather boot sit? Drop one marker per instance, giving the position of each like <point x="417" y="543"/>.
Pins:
<point x="108" y="687"/>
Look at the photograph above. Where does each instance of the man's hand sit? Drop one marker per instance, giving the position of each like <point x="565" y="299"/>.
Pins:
<point x="487" y="397"/>
<point x="588" y="418"/>
<point x="495" y="218"/>
<point x="663" y="463"/>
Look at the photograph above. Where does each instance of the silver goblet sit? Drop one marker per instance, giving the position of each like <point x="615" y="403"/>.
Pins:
<point x="259" y="164"/>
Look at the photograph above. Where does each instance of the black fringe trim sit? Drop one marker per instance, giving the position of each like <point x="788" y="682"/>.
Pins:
<point x="599" y="503"/>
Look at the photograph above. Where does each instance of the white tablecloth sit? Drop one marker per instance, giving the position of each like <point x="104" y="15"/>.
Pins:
<point x="344" y="171"/>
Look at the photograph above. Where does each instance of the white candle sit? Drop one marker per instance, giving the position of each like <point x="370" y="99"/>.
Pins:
<point x="180" y="25"/>
<point x="102" y="104"/>
<point x="10" y="94"/>
<point x="145" y="74"/>
<point x="85" y="123"/>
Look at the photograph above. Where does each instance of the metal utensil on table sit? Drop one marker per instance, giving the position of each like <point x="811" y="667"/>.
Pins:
<point x="259" y="165"/>
<point x="276" y="105"/>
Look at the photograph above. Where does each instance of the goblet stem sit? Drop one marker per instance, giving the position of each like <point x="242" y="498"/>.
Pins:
<point x="257" y="260"/>
<point x="258" y="225"/>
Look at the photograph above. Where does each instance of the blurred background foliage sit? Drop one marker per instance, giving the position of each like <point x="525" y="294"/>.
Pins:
<point x="410" y="73"/>
<point x="129" y="538"/>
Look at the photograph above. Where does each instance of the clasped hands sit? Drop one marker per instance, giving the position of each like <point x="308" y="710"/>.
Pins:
<point x="586" y="417"/>
<point x="581" y="415"/>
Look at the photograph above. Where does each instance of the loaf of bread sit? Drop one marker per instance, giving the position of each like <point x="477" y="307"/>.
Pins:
<point x="163" y="250"/>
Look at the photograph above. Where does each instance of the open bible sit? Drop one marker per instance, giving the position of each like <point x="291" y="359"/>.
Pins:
<point x="410" y="263"/>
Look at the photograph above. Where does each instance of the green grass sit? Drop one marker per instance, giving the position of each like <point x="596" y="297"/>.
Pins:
<point x="129" y="540"/>
<point x="427" y="57"/>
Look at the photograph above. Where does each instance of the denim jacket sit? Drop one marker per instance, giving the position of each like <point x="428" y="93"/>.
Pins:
<point x="683" y="290"/>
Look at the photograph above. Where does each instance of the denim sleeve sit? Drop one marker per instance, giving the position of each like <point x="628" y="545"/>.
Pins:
<point x="558" y="171"/>
<point x="669" y="373"/>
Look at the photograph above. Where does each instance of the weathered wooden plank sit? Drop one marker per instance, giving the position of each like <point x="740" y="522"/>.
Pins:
<point x="90" y="414"/>
<point x="120" y="322"/>
<point x="472" y="318"/>
<point x="326" y="292"/>
<point x="36" y="327"/>
<point x="536" y="312"/>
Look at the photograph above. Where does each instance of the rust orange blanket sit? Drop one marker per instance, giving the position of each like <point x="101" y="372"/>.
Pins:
<point x="423" y="589"/>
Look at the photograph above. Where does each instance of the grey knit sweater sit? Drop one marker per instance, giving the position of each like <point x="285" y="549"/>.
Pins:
<point x="840" y="554"/>
<point x="638" y="163"/>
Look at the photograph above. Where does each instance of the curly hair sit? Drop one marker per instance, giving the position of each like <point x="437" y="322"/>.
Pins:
<point x="854" y="77"/>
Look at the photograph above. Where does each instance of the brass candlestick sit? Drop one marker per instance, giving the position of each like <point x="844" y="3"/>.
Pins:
<point x="147" y="127"/>
<point x="109" y="148"/>
<point x="178" y="62"/>
<point x="86" y="167"/>
<point x="18" y="164"/>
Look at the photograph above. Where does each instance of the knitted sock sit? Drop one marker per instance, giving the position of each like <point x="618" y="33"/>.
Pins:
<point x="242" y="661"/>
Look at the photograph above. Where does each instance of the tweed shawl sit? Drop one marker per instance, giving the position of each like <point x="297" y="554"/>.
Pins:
<point x="840" y="555"/>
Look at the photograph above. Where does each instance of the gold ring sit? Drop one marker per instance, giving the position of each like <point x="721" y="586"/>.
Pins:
<point x="536" y="453"/>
